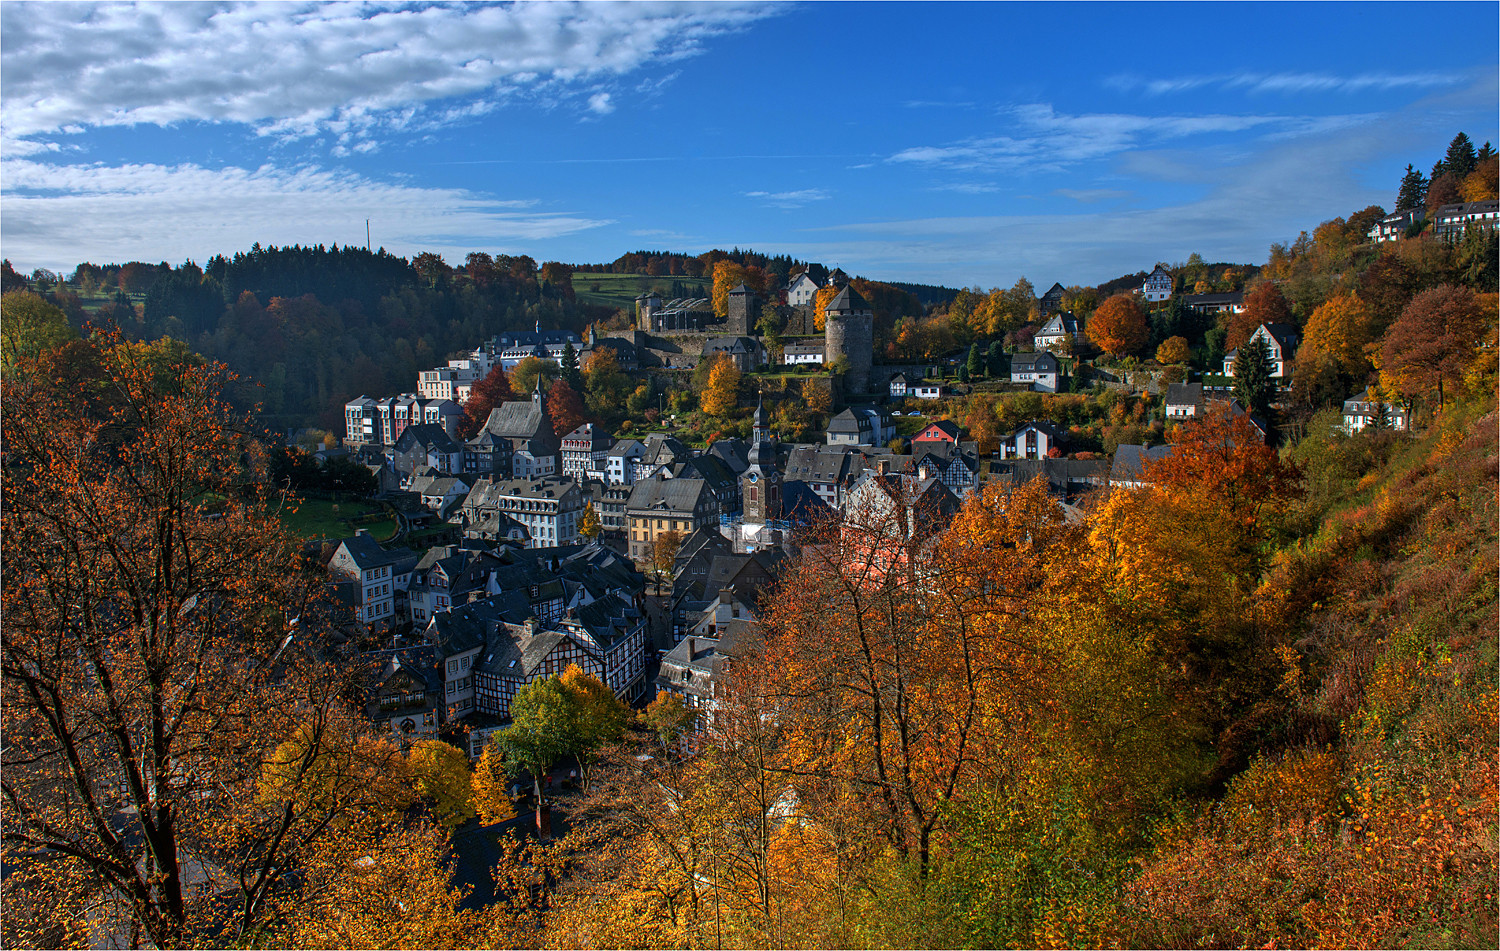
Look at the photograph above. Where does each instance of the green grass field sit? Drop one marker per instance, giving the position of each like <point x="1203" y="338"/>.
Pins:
<point x="318" y="518"/>
<point x="621" y="290"/>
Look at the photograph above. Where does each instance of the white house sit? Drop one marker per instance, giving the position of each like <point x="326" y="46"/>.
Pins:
<point x="1158" y="286"/>
<point x="802" y="291"/>
<point x="361" y="560"/>
<point x="1184" y="400"/>
<point x="1032" y="441"/>
<point x="1039" y="371"/>
<point x="898" y="385"/>
<point x="1059" y="330"/>
<point x="929" y="391"/>
<point x="803" y="352"/>
<point x="1281" y="345"/>
<point x="1363" y="410"/>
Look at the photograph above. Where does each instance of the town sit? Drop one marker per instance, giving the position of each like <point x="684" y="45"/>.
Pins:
<point x="739" y="594"/>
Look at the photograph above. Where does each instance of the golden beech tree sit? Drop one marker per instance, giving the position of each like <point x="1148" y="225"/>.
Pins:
<point x="821" y="300"/>
<point x="441" y="773"/>
<point x="723" y="392"/>
<point x="1118" y="326"/>
<point x="152" y="611"/>
<point x="1336" y="336"/>
<point x="1174" y="350"/>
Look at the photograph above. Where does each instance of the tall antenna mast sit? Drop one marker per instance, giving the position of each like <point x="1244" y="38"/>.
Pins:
<point x="367" y="234"/>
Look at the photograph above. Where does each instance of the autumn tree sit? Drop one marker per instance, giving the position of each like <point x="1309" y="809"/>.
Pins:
<point x="29" y="326"/>
<point x="149" y="665"/>
<point x="486" y="395"/>
<point x="1174" y="350"/>
<point x="605" y="385"/>
<point x="821" y="300"/>
<point x="564" y="408"/>
<point x="441" y="773"/>
<point x="589" y="526"/>
<point x="596" y="718"/>
<point x="664" y="553"/>
<point x="1332" y="354"/>
<point x="1118" y="326"/>
<point x="1264" y="305"/>
<point x="525" y="375"/>
<point x="722" y="394"/>
<point x="817" y="392"/>
<point x="1435" y="337"/>
<point x="537" y="736"/>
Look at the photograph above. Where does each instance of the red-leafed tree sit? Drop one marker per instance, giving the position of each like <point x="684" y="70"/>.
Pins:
<point x="1434" y="338"/>
<point x="485" y="396"/>
<point x="1264" y="305"/>
<point x="564" y="408"/>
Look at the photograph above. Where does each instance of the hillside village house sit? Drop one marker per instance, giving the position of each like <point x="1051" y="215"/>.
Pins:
<point x="1038" y="371"/>
<point x="861" y="426"/>
<point x="1393" y="227"/>
<point x="803" y="353"/>
<point x="1051" y="301"/>
<point x="1057" y="333"/>
<point x="517" y="441"/>
<point x="1184" y="400"/>
<point x="1281" y="344"/>
<point x="898" y="386"/>
<point x="1451" y="221"/>
<point x="1365" y="410"/>
<point x="620" y="462"/>
<point x="1232" y="302"/>
<point x="1033" y="441"/>
<point x="549" y="507"/>
<point x="929" y="391"/>
<point x="1158" y="285"/>
<point x="585" y="451"/>
<point x="802" y="291"/>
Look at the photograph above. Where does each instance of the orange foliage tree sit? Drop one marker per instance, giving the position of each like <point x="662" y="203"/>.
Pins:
<point x="151" y="602"/>
<point x="1118" y="326"/>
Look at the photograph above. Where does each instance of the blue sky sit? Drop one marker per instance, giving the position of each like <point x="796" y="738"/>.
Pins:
<point x="964" y="144"/>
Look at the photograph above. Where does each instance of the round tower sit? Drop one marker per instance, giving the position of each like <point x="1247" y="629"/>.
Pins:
<point x="849" y="335"/>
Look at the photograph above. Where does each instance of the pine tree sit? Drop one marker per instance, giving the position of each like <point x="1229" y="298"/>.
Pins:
<point x="1413" y="190"/>
<point x="570" y="372"/>
<point x="1486" y="151"/>
<point x="975" y="362"/>
<point x="1460" y="159"/>
<point x="1252" y="377"/>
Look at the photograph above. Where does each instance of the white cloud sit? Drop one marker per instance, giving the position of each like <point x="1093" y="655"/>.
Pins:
<point x="294" y="69"/>
<point x="1090" y="196"/>
<point x="1042" y="139"/>
<point x="793" y="199"/>
<point x="1286" y="83"/>
<point x="158" y="212"/>
<point x="599" y="103"/>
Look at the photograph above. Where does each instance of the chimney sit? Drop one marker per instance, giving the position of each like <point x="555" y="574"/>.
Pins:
<point x="883" y="466"/>
<point x="692" y="648"/>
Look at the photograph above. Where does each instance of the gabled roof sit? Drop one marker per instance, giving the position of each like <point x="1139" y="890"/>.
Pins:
<point x="1040" y="362"/>
<point x="670" y="496"/>
<point x="428" y="436"/>
<point x="1130" y="460"/>
<point x="947" y="426"/>
<point x="1056" y="290"/>
<point x="366" y="553"/>
<point x="1185" y="394"/>
<point x="518" y="420"/>
<point x="1284" y="334"/>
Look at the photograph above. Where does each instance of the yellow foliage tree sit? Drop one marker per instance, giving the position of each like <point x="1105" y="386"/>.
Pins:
<point x="1173" y="350"/>
<point x="441" y="772"/>
<point x="821" y="301"/>
<point x="1336" y="336"/>
<point x="722" y="395"/>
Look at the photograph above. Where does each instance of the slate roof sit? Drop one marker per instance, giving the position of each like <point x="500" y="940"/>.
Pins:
<point x="847" y="301"/>
<point x="428" y="435"/>
<point x="518" y="420"/>
<point x="823" y="464"/>
<point x="1131" y="459"/>
<point x="366" y="552"/>
<point x="1185" y="394"/>
<point x="1040" y="362"/>
<point x="673" y="496"/>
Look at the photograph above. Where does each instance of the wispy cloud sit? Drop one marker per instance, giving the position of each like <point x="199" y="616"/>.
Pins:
<point x="968" y="188"/>
<point x="114" y="212"/>
<point x="794" y="199"/>
<point x="1284" y="83"/>
<point x="1089" y="196"/>
<point x="1042" y="139"/>
<point x="600" y="103"/>
<point x="298" y="69"/>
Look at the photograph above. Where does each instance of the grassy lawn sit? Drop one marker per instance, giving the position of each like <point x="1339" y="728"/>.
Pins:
<point x="621" y="290"/>
<point x="318" y="518"/>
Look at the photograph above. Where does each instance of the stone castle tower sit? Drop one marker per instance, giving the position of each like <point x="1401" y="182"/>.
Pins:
<point x="849" y="334"/>
<point x="743" y="312"/>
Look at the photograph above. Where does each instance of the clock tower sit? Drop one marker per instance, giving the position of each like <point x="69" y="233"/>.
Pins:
<point x="760" y="486"/>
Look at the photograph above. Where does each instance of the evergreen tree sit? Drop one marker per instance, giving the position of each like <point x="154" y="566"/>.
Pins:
<point x="995" y="358"/>
<point x="1460" y="159"/>
<point x="1413" y="190"/>
<point x="1253" y="385"/>
<point x="1486" y="152"/>
<point x="975" y="364"/>
<point x="570" y="371"/>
